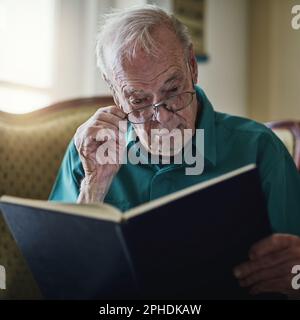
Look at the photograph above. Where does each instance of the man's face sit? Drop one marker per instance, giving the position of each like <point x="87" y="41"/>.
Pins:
<point x="149" y="80"/>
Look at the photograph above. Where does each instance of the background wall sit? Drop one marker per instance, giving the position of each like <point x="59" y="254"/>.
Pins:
<point x="224" y="76"/>
<point x="274" y="61"/>
<point x="253" y="56"/>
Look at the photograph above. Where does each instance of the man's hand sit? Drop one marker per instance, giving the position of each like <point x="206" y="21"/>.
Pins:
<point x="270" y="266"/>
<point x="102" y="127"/>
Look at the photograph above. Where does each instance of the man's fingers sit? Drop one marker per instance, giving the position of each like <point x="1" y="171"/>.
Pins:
<point x="111" y="110"/>
<point x="279" y="285"/>
<point x="269" y="273"/>
<point x="271" y="260"/>
<point x="100" y="134"/>
<point x="109" y="118"/>
<point x="271" y="244"/>
<point x="109" y="125"/>
<point x="103" y="117"/>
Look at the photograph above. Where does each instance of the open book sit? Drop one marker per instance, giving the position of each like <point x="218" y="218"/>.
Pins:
<point x="184" y="245"/>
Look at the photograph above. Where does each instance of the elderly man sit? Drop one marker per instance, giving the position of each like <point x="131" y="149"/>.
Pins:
<point x="147" y="59"/>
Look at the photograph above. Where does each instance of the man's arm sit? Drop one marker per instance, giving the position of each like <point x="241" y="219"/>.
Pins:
<point x="281" y="185"/>
<point x="84" y="176"/>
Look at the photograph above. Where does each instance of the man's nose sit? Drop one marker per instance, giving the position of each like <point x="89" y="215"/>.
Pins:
<point x="162" y="114"/>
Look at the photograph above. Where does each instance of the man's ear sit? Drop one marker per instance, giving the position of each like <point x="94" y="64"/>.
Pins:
<point x="112" y="90"/>
<point x="193" y="63"/>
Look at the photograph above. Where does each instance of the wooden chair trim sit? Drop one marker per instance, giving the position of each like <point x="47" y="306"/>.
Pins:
<point x="294" y="127"/>
<point x="60" y="106"/>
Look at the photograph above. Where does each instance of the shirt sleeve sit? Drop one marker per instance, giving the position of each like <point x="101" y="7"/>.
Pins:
<point x="280" y="184"/>
<point x="67" y="184"/>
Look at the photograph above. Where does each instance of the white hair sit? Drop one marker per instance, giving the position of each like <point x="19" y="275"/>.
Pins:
<point x="123" y="32"/>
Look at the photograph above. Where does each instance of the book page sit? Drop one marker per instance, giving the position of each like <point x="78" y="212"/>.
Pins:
<point x="99" y="211"/>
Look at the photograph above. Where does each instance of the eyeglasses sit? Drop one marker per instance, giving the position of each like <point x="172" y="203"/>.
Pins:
<point x="173" y="104"/>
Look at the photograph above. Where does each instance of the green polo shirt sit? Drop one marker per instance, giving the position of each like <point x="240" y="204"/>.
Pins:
<point x="230" y="142"/>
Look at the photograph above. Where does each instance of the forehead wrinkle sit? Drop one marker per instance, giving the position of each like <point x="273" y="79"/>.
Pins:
<point x="177" y="74"/>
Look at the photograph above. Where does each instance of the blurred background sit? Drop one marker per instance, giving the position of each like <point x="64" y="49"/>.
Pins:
<point x="251" y="65"/>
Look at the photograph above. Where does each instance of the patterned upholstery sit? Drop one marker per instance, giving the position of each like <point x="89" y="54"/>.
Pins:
<point x="31" y="149"/>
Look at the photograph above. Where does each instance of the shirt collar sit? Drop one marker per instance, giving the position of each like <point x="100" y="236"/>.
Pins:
<point x="206" y="121"/>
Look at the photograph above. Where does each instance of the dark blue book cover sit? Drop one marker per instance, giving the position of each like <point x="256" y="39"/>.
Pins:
<point x="182" y="246"/>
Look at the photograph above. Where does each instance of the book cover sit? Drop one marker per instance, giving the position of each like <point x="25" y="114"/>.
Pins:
<point x="181" y="246"/>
